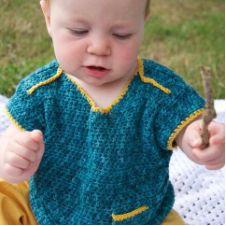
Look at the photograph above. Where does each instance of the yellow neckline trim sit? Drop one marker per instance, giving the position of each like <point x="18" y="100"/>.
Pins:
<point x="91" y="101"/>
<point x="184" y="123"/>
<point x="133" y="213"/>
<point x="13" y="120"/>
<point x="56" y="76"/>
<point x="150" y="80"/>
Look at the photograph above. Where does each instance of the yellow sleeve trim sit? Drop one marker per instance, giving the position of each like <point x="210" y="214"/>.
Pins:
<point x="150" y="80"/>
<point x="58" y="74"/>
<point x="133" y="213"/>
<point x="184" y="123"/>
<point x="13" y="120"/>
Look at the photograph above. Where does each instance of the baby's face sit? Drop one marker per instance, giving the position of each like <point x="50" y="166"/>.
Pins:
<point x="96" y="41"/>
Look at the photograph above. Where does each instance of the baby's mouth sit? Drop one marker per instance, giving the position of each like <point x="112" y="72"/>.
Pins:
<point x="96" y="68"/>
<point x="96" y="71"/>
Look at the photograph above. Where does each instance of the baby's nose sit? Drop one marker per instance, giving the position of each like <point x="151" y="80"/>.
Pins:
<point x="100" y="47"/>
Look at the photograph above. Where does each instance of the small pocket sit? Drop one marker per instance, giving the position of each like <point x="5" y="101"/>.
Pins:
<point x="125" y="216"/>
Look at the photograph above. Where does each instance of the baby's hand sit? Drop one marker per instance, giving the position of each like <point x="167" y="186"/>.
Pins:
<point x="212" y="157"/>
<point x="23" y="155"/>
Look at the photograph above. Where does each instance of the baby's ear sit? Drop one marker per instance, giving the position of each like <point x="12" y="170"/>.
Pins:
<point x="45" y="6"/>
<point x="46" y="11"/>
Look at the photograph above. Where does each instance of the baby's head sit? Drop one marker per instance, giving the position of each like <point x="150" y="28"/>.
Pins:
<point x="96" y="41"/>
<point x="146" y="11"/>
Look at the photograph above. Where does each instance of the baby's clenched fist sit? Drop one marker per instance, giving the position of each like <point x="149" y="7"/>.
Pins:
<point x="23" y="155"/>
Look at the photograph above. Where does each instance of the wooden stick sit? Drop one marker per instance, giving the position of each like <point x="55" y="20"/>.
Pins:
<point x="209" y="113"/>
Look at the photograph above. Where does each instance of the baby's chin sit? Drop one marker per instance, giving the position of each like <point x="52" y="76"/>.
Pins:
<point x="91" y="81"/>
<point x="96" y="82"/>
<point x="105" y="81"/>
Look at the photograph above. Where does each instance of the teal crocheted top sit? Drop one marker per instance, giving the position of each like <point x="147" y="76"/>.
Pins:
<point x="104" y="166"/>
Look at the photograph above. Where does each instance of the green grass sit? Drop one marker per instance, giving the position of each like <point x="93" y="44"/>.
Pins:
<point x="185" y="35"/>
<point x="182" y="35"/>
<point x="24" y="42"/>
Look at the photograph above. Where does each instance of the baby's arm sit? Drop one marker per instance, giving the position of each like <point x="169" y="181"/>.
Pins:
<point x="189" y="140"/>
<point x="20" y="154"/>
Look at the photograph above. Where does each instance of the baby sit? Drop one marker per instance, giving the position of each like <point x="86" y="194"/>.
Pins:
<point x="93" y="130"/>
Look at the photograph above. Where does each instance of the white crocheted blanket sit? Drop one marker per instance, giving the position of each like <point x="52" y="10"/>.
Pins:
<point x="200" y="193"/>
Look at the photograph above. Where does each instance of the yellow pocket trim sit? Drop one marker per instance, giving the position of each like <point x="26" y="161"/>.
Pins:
<point x="121" y="217"/>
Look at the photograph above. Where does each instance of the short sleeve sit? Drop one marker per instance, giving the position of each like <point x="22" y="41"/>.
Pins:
<point x="24" y="110"/>
<point x="177" y="111"/>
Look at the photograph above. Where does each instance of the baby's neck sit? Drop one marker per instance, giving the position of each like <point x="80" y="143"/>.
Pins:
<point x="104" y="95"/>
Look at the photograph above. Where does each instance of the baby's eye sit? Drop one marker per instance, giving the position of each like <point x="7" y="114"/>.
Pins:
<point x="78" y="32"/>
<point x="122" y="36"/>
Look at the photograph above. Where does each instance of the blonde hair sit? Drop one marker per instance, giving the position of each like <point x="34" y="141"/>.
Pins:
<point x="147" y="7"/>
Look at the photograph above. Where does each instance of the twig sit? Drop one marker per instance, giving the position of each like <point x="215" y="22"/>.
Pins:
<point x="209" y="113"/>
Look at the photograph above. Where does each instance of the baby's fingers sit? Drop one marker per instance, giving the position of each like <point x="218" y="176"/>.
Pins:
<point x="16" y="161"/>
<point x="12" y="171"/>
<point x="215" y="161"/>
<point x="194" y="139"/>
<point x="207" y="155"/>
<point x="25" y="139"/>
<point x="37" y="136"/>
<point x="217" y="133"/>
<point x="216" y="166"/>
<point x="23" y="152"/>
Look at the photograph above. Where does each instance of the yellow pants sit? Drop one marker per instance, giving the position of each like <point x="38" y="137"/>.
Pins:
<point x="15" y="207"/>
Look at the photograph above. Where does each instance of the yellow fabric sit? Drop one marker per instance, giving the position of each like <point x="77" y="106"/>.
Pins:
<point x="15" y="208"/>
<point x="14" y="204"/>
<point x="173" y="219"/>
